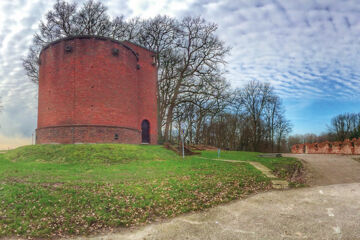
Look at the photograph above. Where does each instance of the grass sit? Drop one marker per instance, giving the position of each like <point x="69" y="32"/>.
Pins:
<point x="287" y="168"/>
<point x="50" y="191"/>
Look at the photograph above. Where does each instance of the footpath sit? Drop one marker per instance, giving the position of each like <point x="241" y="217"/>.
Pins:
<point x="276" y="183"/>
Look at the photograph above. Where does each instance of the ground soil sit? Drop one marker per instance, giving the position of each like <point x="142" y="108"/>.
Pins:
<point x="329" y="209"/>
<point x="326" y="169"/>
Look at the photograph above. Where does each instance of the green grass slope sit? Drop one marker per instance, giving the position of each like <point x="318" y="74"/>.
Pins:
<point x="287" y="168"/>
<point x="89" y="153"/>
<point x="61" y="190"/>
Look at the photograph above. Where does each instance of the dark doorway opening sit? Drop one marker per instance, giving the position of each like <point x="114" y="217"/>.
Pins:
<point x="145" y="131"/>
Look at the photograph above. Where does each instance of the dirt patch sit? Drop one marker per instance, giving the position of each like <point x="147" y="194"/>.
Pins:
<point x="202" y="148"/>
<point x="52" y="186"/>
<point x="326" y="169"/>
<point x="49" y="185"/>
<point x="178" y="149"/>
<point x="295" y="174"/>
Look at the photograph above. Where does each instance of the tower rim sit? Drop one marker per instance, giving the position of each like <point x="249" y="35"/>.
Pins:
<point x="96" y="37"/>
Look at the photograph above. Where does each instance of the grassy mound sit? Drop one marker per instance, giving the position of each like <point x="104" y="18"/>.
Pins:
<point x="88" y="153"/>
<point x="60" y="190"/>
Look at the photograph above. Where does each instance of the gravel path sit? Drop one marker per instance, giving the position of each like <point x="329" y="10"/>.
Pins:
<point x="326" y="169"/>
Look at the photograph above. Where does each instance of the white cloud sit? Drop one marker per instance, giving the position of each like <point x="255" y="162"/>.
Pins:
<point x="305" y="48"/>
<point x="18" y="95"/>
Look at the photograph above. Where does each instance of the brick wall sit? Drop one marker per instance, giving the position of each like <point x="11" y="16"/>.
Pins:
<point x="87" y="134"/>
<point x="345" y="147"/>
<point x="93" y="81"/>
<point x="147" y="95"/>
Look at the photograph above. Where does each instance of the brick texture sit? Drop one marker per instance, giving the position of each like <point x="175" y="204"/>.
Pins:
<point x="92" y="88"/>
<point x="345" y="147"/>
<point x="88" y="134"/>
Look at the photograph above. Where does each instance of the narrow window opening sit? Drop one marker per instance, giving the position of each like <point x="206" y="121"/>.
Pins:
<point x="116" y="136"/>
<point x="145" y="131"/>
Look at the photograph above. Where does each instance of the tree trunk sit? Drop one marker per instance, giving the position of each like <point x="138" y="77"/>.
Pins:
<point x="169" y="118"/>
<point x="170" y="137"/>
<point x="198" y="126"/>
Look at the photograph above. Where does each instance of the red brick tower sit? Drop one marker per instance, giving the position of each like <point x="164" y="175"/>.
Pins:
<point x="96" y="90"/>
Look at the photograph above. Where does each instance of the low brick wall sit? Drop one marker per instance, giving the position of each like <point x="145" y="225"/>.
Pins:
<point x="345" y="147"/>
<point x="87" y="134"/>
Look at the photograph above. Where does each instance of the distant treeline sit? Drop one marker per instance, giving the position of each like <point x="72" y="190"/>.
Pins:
<point x="249" y="118"/>
<point x="343" y="126"/>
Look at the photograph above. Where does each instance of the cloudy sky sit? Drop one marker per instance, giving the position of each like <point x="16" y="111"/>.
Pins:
<point x="307" y="49"/>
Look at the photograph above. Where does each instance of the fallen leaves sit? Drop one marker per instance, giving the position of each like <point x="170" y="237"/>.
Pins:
<point x="112" y="196"/>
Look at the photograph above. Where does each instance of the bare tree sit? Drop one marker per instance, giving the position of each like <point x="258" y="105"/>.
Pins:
<point x="93" y="20"/>
<point x="283" y="127"/>
<point x="199" y="103"/>
<point x="62" y="21"/>
<point x="199" y="53"/>
<point x="271" y="115"/>
<point x="345" y="126"/>
<point x="31" y="63"/>
<point x="234" y="127"/>
<point x="255" y="97"/>
<point x="129" y="30"/>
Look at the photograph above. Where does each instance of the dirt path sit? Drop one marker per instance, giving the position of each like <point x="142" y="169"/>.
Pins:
<point x="326" y="169"/>
<point x="276" y="183"/>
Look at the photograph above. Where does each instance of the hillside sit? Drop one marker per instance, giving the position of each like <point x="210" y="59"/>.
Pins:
<point x="61" y="190"/>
